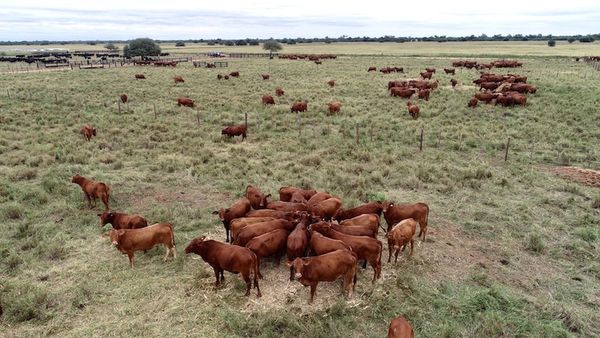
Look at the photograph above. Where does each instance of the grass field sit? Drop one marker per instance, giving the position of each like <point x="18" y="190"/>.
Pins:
<point x="512" y="249"/>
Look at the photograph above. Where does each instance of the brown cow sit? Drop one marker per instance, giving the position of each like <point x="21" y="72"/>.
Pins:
<point x="327" y="208"/>
<point x="122" y="221"/>
<point x="124" y="98"/>
<point x="485" y="97"/>
<point x="402" y="92"/>
<point x="449" y="71"/>
<point x="472" y="102"/>
<point x="234" y="74"/>
<point x="430" y="70"/>
<point x="326" y="268"/>
<point x="365" y="220"/>
<point x="367" y="208"/>
<point x="355" y="230"/>
<point x="92" y="190"/>
<point x="372" y="69"/>
<point x="219" y="76"/>
<point x="271" y="213"/>
<point x="285" y="193"/>
<point x="256" y="229"/>
<point x="334" y="107"/>
<point x="265" y="76"/>
<point x="279" y="92"/>
<point x="88" y="131"/>
<point x="298" y="197"/>
<point x="237" y="210"/>
<point x="178" y="79"/>
<point x="128" y="241"/>
<point x="394" y="213"/>
<point x="270" y="243"/>
<point x="139" y="76"/>
<point x="236" y="130"/>
<point x="426" y="75"/>
<point x="286" y="206"/>
<point x="399" y="237"/>
<point x="331" y="83"/>
<point x="299" y="107"/>
<point x="523" y="88"/>
<point x="453" y="83"/>
<point x="319" y="244"/>
<point x="226" y="77"/>
<point x="297" y="242"/>
<point x="184" y="101"/>
<point x="267" y="99"/>
<point x="228" y="257"/>
<point x="400" y="328"/>
<point x="413" y="110"/>
<point x="424" y="94"/>
<point x="238" y="224"/>
<point x="392" y="84"/>
<point x="366" y="248"/>
<point x="317" y="198"/>
<point x="258" y="200"/>
<point x="489" y="85"/>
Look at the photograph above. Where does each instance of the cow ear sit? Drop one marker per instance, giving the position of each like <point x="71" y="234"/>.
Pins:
<point x="99" y="215"/>
<point x="216" y="212"/>
<point x="288" y="263"/>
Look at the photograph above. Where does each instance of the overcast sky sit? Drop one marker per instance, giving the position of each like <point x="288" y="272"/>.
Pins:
<point x="229" y="19"/>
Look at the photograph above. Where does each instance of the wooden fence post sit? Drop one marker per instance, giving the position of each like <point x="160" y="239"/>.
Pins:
<point x="421" y="141"/>
<point x="506" y="153"/>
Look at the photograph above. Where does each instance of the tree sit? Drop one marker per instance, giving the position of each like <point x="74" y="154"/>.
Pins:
<point x="272" y="46"/>
<point x="180" y="44"/>
<point x="141" y="47"/>
<point x="551" y="43"/>
<point x="111" y="47"/>
<point x="571" y="40"/>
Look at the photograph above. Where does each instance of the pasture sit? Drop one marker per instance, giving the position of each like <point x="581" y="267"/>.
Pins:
<point x="512" y="248"/>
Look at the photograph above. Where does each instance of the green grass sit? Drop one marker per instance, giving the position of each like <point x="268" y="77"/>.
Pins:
<point x="513" y="249"/>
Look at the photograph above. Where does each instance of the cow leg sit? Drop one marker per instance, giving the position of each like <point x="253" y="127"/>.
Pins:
<point x="258" y="264"/>
<point x="412" y="246"/>
<point x="291" y="273"/>
<point x="166" y="253"/>
<point x="88" y="200"/>
<point x="313" y="289"/>
<point x="222" y="276"/>
<point x="375" y="273"/>
<point x="216" y="276"/>
<point x="364" y="265"/>
<point x="396" y="253"/>
<point x="174" y="250"/>
<point x="389" y="252"/>
<point x="246" y="277"/>
<point x="131" y="259"/>
<point x="105" y="201"/>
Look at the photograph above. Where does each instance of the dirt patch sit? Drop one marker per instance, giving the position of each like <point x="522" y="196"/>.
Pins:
<point x="197" y="197"/>
<point x="587" y="177"/>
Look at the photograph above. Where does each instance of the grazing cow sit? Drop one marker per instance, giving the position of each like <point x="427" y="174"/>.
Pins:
<point x="271" y="213"/>
<point x="92" y="190"/>
<point x="130" y="240"/>
<point x="365" y="247"/>
<point x="226" y="77"/>
<point x="297" y="242"/>
<point x="334" y="107"/>
<point x="267" y="99"/>
<point x="271" y="243"/>
<point x="519" y="98"/>
<point x="331" y="83"/>
<point x="236" y="130"/>
<point x="472" y="102"/>
<point x="392" y="84"/>
<point x="178" y="79"/>
<point x="489" y="85"/>
<point x="124" y="98"/>
<point x="222" y="256"/>
<point x="400" y="328"/>
<point x="430" y="70"/>
<point x="88" y="131"/>
<point x="372" y="69"/>
<point x="326" y="268"/>
<point x="256" y="229"/>
<point x="453" y="83"/>
<point x="413" y="110"/>
<point x="399" y="237"/>
<point x="319" y="244"/>
<point x="219" y="77"/>
<point x="426" y="75"/>
<point x="299" y="107"/>
<point x="317" y="198"/>
<point x="238" y="224"/>
<point x="237" y="210"/>
<point x="234" y="74"/>
<point x="402" y="92"/>
<point x="139" y="76"/>
<point x="279" y="92"/>
<point x="449" y="71"/>
<point x="523" y="88"/>
<point x="285" y="193"/>
<point x="424" y="94"/>
<point x="265" y="76"/>
<point x="122" y="221"/>
<point x="184" y="101"/>
<point x="365" y="220"/>
<point x="367" y="208"/>
<point x="485" y="97"/>
<point x="326" y="209"/>
<point x="355" y="230"/>
<point x="298" y="197"/>
<point x="394" y="213"/>
<point x="257" y="199"/>
<point x="287" y="206"/>
<point x="505" y="99"/>
<point x="318" y="62"/>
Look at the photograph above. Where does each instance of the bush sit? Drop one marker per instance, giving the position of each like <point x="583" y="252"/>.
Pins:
<point x="551" y="43"/>
<point x="571" y="40"/>
<point x="535" y="243"/>
<point x="12" y="211"/>
<point x="141" y="47"/>
<point x="180" y="44"/>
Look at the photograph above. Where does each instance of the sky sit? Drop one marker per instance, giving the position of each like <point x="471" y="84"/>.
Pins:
<point x="233" y="19"/>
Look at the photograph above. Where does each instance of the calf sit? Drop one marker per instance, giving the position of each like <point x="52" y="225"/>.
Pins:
<point x="88" y="131"/>
<point x="232" y="258"/>
<point x="237" y="210"/>
<point x="285" y="193"/>
<point x="297" y="242"/>
<point x="449" y="71"/>
<point x="424" y="94"/>
<point x="413" y="110"/>
<point x="326" y="268"/>
<point x="299" y="107"/>
<point x="270" y="243"/>
<point x="139" y="76"/>
<point x="178" y="79"/>
<point x="331" y="83"/>
<point x="257" y="229"/>
<point x="184" y="101"/>
<point x="430" y="70"/>
<point x="287" y="206"/>
<point x="257" y="199"/>
<point x="92" y="190"/>
<point x="122" y="221"/>
<point x="124" y="98"/>
<point x="367" y="208"/>
<point x="400" y="328"/>
<point x="236" y="130"/>
<point x="130" y="240"/>
<point x="394" y="213"/>
<point x="279" y="92"/>
<point x="399" y="237"/>
<point x="265" y="76"/>
<point x="267" y="99"/>
<point x="334" y="107"/>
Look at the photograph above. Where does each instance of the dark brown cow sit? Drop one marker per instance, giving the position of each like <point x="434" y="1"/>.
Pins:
<point x="449" y="71"/>
<point x="130" y="240"/>
<point x="394" y="213"/>
<point x="270" y="243"/>
<point x="366" y="248"/>
<point x="372" y="69"/>
<point x="400" y="328"/>
<point x="392" y="84"/>
<point x="226" y="77"/>
<point x="426" y="75"/>
<point x="234" y="74"/>
<point x="326" y="268"/>
<point x="286" y="206"/>
<point x="124" y="98"/>
<point x="265" y="76"/>
<point x="139" y="76"/>
<point x="453" y="83"/>
<point x="88" y="131"/>
<point x="184" y="101"/>
<point x="236" y="130"/>
<point x="299" y="107"/>
<point x="256" y="229"/>
<point x="219" y="76"/>
<point x="122" y="221"/>
<point x="178" y="79"/>
<point x="472" y="102"/>
<point x="92" y="190"/>
<point x="399" y="237"/>
<point x="285" y="193"/>
<point x="279" y="92"/>
<point x="367" y="208"/>
<point x="424" y="94"/>
<point x="331" y="83"/>
<point x="238" y="209"/>
<point x="413" y="110"/>
<point x="334" y="107"/>
<point x="402" y="92"/>
<point x="267" y="99"/>
<point x="223" y="256"/>
<point x="257" y="199"/>
<point x="297" y="242"/>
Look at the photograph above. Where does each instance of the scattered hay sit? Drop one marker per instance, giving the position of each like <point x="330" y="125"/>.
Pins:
<point x="587" y="177"/>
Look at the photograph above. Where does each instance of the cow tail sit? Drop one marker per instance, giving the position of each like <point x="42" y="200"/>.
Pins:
<point x="256" y="270"/>
<point x="380" y="245"/>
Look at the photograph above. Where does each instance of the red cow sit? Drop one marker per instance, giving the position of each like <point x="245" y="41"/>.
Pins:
<point x="270" y="243"/>
<point x="399" y="237"/>
<point x="279" y="92"/>
<point x="92" y="190"/>
<point x="319" y="244"/>
<point x="285" y="193"/>
<point x="88" y="131"/>
<point x="298" y="197"/>
<point x="365" y="220"/>
<point x="430" y="70"/>
<point x="184" y="101"/>
<point x="327" y="208"/>
<point x="178" y="79"/>
<point x="331" y="83"/>
<point x="413" y="110"/>
<point x="299" y="107"/>
<point x="372" y="69"/>
<point x="139" y="76"/>
<point x="267" y="99"/>
<point x="367" y="208"/>
<point x="257" y="199"/>
<point x="400" y="328"/>
<point x="334" y="107"/>
<point x="130" y="240"/>
<point x="238" y="224"/>
<point x="237" y="210"/>
<point x="234" y="74"/>
<point x="271" y="213"/>
<point x="124" y="98"/>
<point x="265" y="76"/>
<point x="472" y="102"/>
<point x="237" y="130"/>
<point x="122" y="221"/>
<point x="297" y="242"/>
<point x="232" y="258"/>
<point x="317" y="198"/>
<point x="256" y="229"/>
<point x="226" y="77"/>
<point x="449" y="71"/>
<point x="489" y="85"/>
<point x="453" y="83"/>
<point x="219" y="76"/>
<point x="485" y="97"/>
<point x="286" y="206"/>
<point x="326" y="268"/>
<point x="426" y="75"/>
<point x="394" y="213"/>
<point x="402" y="92"/>
<point x="355" y="230"/>
<point x="424" y="94"/>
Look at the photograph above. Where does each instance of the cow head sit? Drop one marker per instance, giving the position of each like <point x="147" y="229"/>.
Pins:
<point x="298" y="264"/>
<point x="106" y="217"/>
<point x="76" y="178"/>
<point x="221" y="212"/>
<point x="194" y="245"/>
<point x="115" y="236"/>
<point x="386" y="205"/>
<point x="264" y="202"/>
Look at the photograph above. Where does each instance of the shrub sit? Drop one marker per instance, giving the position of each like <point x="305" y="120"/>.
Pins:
<point x="12" y="211"/>
<point x="535" y="243"/>
<point x="551" y="43"/>
<point x="141" y="47"/>
<point x="180" y="44"/>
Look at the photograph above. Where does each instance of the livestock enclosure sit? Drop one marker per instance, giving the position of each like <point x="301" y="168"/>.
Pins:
<point x="512" y="248"/>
